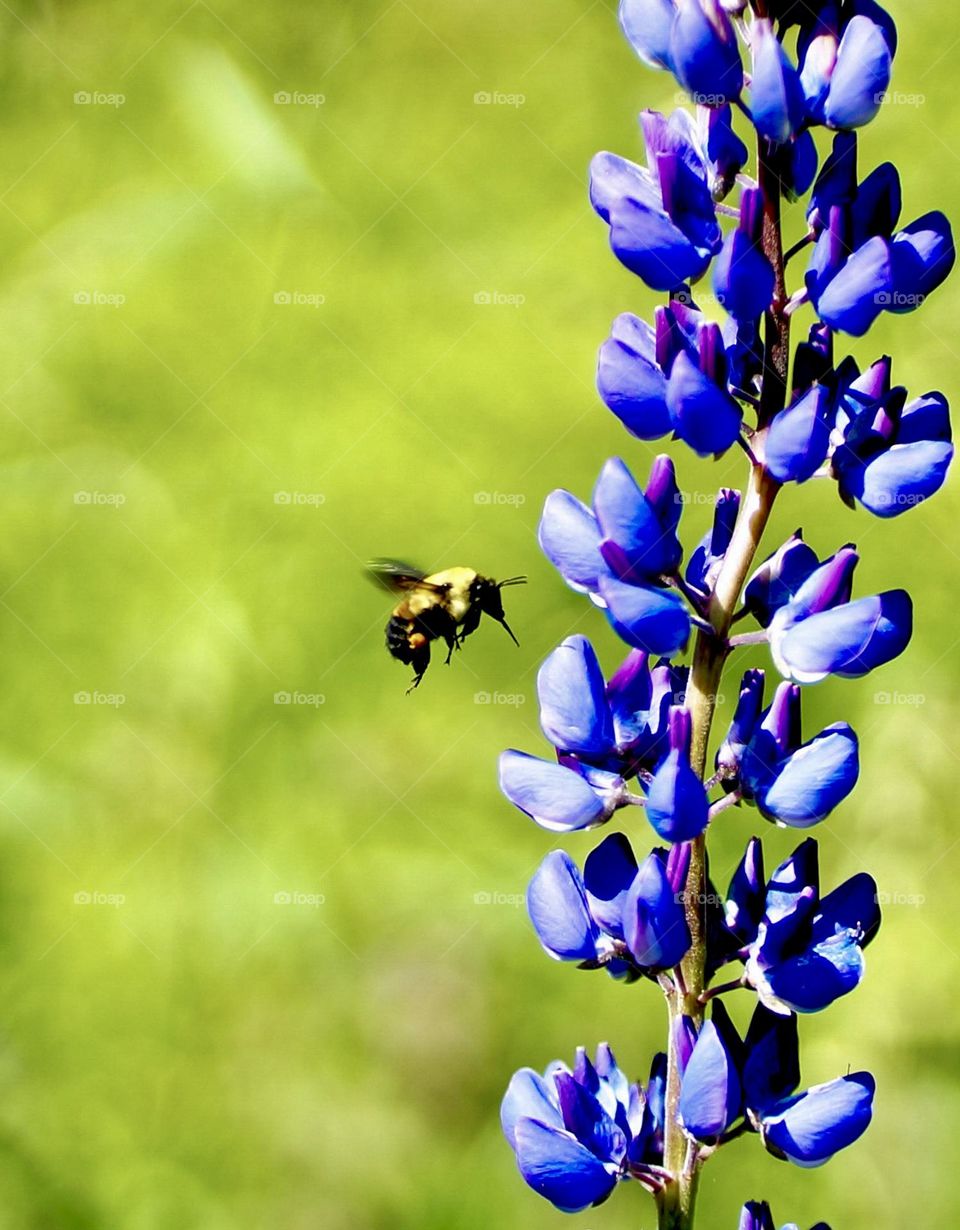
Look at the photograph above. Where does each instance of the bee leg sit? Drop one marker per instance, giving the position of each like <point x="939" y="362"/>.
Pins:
<point x="453" y="643"/>
<point x="420" y="660"/>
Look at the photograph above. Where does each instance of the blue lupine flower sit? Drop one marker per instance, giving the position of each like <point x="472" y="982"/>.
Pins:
<point x="705" y="562"/>
<point x="779" y="577"/>
<point x="743" y="278"/>
<point x="726" y="1078"/>
<point x="663" y="224"/>
<point x="561" y="797"/>
<point x="799" y="437"/>
<point x="891" y="454"/>
<point x="821" y="632"/>
<point x="702" y="412"/>
<point x="756" y="1215"/>
<point x="801" y="951"/>
<point x="617" y="914"/>
<point x="861" y="265"/>
<point x="677" y="804"/>
<point x="810" y="1128"/>
<point x="711" y="1092"/>
<point x="672" y="377"/>
<point x="795" y="784"/>
<point x="846" y="56"/>
<point x="620" y="551"/>
<point x="603" y="734"/>
<point x="576" y="1134"/>
<point x="693" y="39"/>
<point x="777" y="104"/>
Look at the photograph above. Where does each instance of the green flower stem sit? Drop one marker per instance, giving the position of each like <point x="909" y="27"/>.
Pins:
<point x="676" y="1203"/>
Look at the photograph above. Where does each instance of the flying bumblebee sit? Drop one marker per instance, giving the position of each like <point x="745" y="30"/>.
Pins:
<point x="443" y="606"/>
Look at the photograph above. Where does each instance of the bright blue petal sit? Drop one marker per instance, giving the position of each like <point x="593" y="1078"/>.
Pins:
<point x="570" y="539"/>
<point x="556" y="797"/>
<point x="627" y="520"/>
<point x="629" y="380"/>
<point x="677" y="804"/>
<point x="647" y="25"/>
<point x="710" y="1093"/>
<point x="743" y="278"/>
<point x="654" y="620"/>
<point x="776" y="96"/>
<point x="561" y="1169"/>
<point x="860" y="77"/>
<point x="799" y="437"/>
<point x="704" y="52"/>
<point x="574" y="714"/>
<point x="825" y="1119"/>
<point x="529" y="1096"/>
<point x="654" y="923"/>
<point x="853" y="299"/>
<point x="813" y="780"/>
<point x="850" y="640"/>
<point x="900" y="477"/>
<point x="704" y="416"/>
<point x="557" y="904"/>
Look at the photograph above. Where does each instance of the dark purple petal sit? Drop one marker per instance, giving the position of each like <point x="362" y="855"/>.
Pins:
<point x="608" y="875"/>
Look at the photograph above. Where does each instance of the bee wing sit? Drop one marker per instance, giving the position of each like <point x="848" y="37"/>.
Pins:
<point x="398" y="577"/>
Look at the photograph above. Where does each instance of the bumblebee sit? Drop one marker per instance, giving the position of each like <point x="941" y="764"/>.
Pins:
<point x="443" y="606"/>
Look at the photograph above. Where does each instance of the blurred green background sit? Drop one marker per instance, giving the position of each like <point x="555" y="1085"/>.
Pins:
<point x="279" y="294"/>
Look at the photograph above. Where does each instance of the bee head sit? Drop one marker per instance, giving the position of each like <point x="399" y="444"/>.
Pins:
<point x="486" y="594"/>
